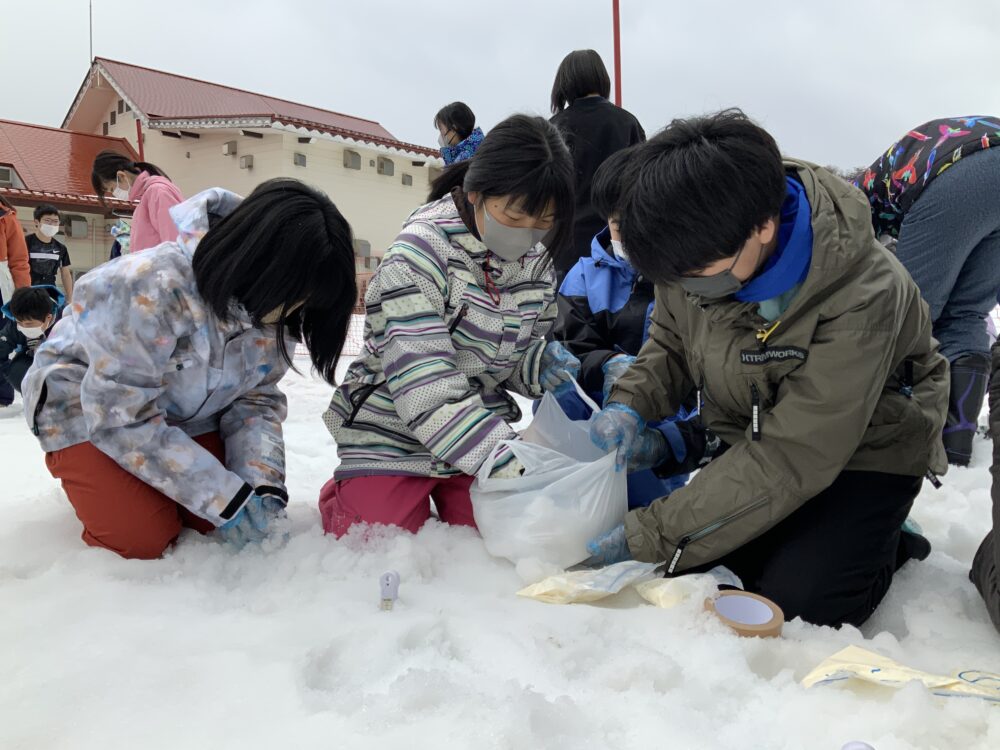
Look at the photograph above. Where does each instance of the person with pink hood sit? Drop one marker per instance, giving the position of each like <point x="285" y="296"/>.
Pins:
<point x="124" y="179"/>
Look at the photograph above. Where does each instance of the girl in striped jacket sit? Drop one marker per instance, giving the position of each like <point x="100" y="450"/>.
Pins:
<point x="457" y="315"/>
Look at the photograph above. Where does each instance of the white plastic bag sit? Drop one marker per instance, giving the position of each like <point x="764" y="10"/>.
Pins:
<point x="569" y="494"/>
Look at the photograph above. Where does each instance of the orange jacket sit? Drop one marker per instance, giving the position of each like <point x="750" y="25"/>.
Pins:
<point x="13" y="248"/>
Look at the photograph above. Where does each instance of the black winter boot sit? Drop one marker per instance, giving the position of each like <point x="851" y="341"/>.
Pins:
<point x="970" y="375"/>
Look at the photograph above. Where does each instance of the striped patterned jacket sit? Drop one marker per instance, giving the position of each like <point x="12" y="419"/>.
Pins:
<point x="428" y="395"/>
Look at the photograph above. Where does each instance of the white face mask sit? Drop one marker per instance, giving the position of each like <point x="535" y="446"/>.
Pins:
<point x="619" y="251"/>
<point x="49" y="230"/>
<point x="119" y="192"/>
<point x="442" y="141"/>
<point x="33" y="332"/>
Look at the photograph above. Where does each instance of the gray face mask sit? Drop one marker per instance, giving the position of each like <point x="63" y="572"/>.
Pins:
<point x="509" y="243"/>
<point x="717" y="286"/>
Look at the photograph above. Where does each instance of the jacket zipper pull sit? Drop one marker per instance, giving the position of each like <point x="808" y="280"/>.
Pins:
<point x="755" y="416"/>
<point x="459" y="317"/>
<point x="677" y="555"/>
<point x="933" y="479"/>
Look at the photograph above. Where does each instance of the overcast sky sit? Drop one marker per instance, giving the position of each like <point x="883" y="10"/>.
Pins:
<point x="834" y="80"/>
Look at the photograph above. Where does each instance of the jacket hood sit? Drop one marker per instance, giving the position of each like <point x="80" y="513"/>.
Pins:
<point x="195" y="216"/>
<point x="58" y="298"/>
<point x="143" y="182"/>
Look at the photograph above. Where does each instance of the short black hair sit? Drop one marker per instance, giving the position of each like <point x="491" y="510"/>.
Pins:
<point x="108" y="164"/>
<point x="46" y="209"/>
<point x="526" y="158"/>
<point x="458" y="117"/>
<point x="285" y="244"/>
<point x="695" y="192"/>
<point x="581" y="73"/>
<point x="606" y="187"/>
<point x="30" y="303"/>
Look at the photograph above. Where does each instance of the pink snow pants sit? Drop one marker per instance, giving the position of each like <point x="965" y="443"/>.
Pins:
<point x="394" y="501"/>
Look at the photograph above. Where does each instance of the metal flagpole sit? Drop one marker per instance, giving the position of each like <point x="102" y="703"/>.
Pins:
<point x="618" y="52"/>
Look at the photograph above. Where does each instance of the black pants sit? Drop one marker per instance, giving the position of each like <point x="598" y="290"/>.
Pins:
<point x="986" y="573"/>
<point x="832" y="561"/>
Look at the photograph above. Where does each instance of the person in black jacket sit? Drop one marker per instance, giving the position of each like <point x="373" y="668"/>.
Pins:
<point x="604" y="308"/>
<point x="594" y="128"/>
<point x="25" y="322"/>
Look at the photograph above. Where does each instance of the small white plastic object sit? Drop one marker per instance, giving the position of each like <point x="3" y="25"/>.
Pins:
<point x="855" y="745"/>
<point x="389" y="586"/>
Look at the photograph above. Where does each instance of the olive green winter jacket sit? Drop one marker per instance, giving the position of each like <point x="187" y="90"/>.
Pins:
<point x="848" y="378"/>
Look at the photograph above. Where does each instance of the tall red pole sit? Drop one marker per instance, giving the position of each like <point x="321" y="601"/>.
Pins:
<point x="138" y="139"/>
<point x="618" y="53"/>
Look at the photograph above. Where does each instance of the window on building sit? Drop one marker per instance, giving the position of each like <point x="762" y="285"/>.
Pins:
<point x="386" y="167"/>
<point x="408" y="180"/>
<point x="352" y="159"/>
<point x="114" y="117"/>
<point x="299" y="159"/>
<point x="104" y="128"/>
<point x="121" y="107"/>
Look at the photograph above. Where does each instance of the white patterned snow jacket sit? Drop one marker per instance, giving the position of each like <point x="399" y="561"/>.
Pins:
<point x="140" y="365"/>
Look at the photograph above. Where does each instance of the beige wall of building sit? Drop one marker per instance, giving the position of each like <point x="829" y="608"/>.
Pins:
<point x="375" y="204"/>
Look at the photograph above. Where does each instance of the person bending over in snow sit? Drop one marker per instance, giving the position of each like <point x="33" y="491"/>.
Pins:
<point x="457" y="315"/>
<point x="604" y="309"/>
<point x="156" y="398"/>
<point x="935" y="190"/>
<point x="985" y="573"/>
<point x="24" y="324"/>
<point x="811" y="351"/>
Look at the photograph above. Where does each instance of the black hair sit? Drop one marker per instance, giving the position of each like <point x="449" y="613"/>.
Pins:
<point x="581" y="73"/>
<point x="694" y="193"/>
<point x="606" y="187"/>
<point x="524" y="158"/>
<point x="30" y="303"/>
<point x="458" y="117"/>
<point x="46" y="209"/>
<point x="286" y="243"/>
<point x="108" y="164"/>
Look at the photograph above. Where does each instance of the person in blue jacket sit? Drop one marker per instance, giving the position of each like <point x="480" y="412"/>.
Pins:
<point x="604" y="308"/>
<point x="25" y="321"/>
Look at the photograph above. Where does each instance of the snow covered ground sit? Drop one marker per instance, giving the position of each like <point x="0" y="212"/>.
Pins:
<point x="286" y="647"/>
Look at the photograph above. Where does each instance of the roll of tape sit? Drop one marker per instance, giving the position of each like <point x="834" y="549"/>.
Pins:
<point x="750" y="615"/>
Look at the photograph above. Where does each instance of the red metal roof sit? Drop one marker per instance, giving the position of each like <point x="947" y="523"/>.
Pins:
<point x="52" y="161"/>
<point x="165" y="96"/>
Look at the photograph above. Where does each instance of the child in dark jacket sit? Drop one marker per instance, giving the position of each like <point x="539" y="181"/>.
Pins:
<point x="24" y="324"/>
<point x="604" y="308"/>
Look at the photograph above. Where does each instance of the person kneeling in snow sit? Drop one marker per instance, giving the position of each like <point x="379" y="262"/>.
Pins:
<point x="25" y="322"/>
<point x="156" y="398"/>
<point x="812" y="353"/>
<point x="985" y="573"/>
<point x="457" y="315"/>
<point x="604" y="309"/>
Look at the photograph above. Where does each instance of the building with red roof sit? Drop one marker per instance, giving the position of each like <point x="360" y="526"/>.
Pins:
<point x="206" y="134"/>
<point x="41" y="165"/>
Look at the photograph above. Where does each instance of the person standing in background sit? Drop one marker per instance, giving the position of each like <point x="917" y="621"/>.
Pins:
<point x="146" y="183"/>
<point x="46" y="254"/>
<point x="594" y="128"/>
<point x="14" y="271"/>
<point x="458" y="136"/>
<point x="935" y="191"/>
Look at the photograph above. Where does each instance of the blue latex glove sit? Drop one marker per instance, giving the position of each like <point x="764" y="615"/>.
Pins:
<point x="613" y="369"/>
<point x="609" y="549"/>
<point x="617" y="428"/>
<point x="252" y="522"/>
<point x="558" y="367"/>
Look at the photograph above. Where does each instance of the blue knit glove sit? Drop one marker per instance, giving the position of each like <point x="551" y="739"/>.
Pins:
<point x="251" y="524"/>
<point x="558" y="367"/>
<point x="609" y="549"/>
<point x="617" y="428"/>
<point x="613" y="369"/>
